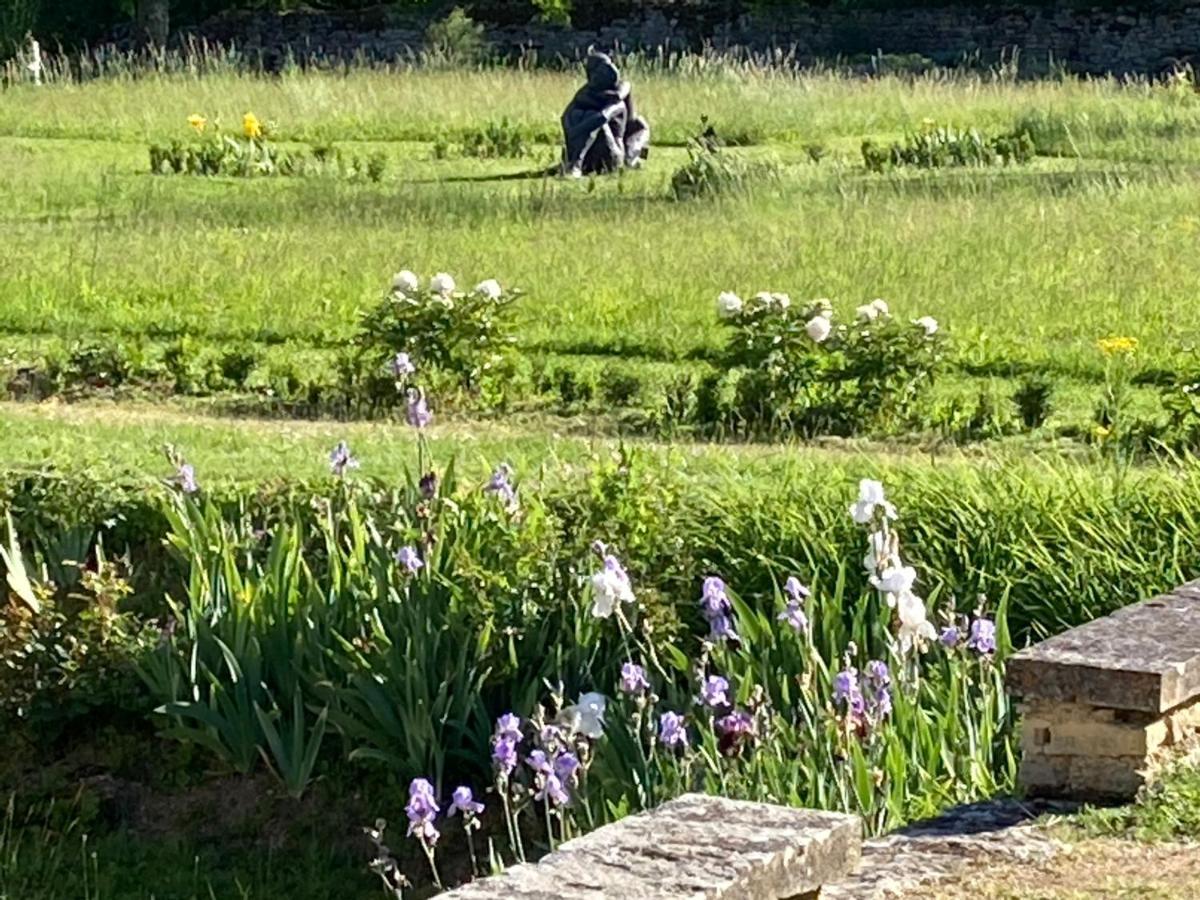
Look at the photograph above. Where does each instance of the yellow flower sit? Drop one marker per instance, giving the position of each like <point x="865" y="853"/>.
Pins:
<point x="1100" y="432"/>
<point x="198" y="122"/>
<point x="251" y="127"/>
<point x="1111" y="346"/>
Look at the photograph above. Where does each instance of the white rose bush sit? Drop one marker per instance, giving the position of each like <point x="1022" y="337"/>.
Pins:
<point x="459" y="340"/>
<point x="801" y="369"/>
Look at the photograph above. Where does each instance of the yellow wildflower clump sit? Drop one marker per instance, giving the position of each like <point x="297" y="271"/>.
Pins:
<point x="1111" y="346"/>
<point x="197" y="122"/>
<point x="251" y="127"/>
<point x="1101" y="432"/>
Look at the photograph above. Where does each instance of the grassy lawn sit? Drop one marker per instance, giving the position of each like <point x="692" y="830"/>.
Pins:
<point x="1039" y="525"/>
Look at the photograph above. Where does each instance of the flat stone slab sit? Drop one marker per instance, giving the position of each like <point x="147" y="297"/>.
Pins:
<point x="1145" y="657"/>
<point x="695" y="847"/>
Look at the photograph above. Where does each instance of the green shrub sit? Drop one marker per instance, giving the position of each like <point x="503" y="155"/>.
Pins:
<point x="455" y="40"/>
<point x="68" y="651"/>
<point x="938" y="146"/>
<point x="791" y="369"/>
<point x="1034" y="400"/>
<point x="464" y="334"/>
<point x="711" y="171"/>
<point x="496" y="140"/>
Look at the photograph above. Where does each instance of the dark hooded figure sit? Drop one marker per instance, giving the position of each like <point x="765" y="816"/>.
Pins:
<point x="600" y="128"/>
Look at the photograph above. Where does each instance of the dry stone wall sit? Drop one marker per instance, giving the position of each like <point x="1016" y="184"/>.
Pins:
<point x="1146" y="38"/>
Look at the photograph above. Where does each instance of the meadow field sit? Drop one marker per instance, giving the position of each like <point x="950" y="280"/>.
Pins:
<point x="209" y="612"/>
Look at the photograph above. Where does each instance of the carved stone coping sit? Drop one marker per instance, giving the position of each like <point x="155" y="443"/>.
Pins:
<point x="693" y="847"/>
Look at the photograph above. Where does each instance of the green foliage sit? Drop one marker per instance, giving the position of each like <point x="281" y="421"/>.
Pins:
<point x="712" y="171"/>
<point x="555" y="12"/>
<point x="223" y="155"/>
<point x="1167" y="810"/>
<point x="788" y="369"/>
<point x="937" y="146"/>
<point x="496" y="140"/>
<point x="68" y="653"/>
<point x="456" y="40"/>
<point x="463" y="334"/>
<point x="1034" y="400"/>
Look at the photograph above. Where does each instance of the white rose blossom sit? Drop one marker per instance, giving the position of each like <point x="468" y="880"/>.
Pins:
<point x="870" y="498"/>
<point x="729" y="305"/>
<point x="818" y="328"/>
<point x="490" y="289"/>
<point x="406" y="282"/>
<point x="929" y="323"/>
<point x="441" y="283"/>
<point x="866" y="313"/>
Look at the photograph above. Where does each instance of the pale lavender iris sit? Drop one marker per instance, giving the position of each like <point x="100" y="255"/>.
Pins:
<point x="409" y="560"/>
<point x="500" y="484"/>
<point x="421" y="809"/>
<point x="983" y="636"/>
<point x="565" y="767"/>
<point x="418" y="415"/>
<point x="797" y="592"/>
<point x="504" y="755"/>
<point x="950" y="636"/>
<point x="402" y="366"/>
<point x="633" y="678"/>
<point x="509" y="726"/>
<point x="463" y="801"/>
<point x="185" y="477"/>
<point x="341" y="460"/>
<point x="714" y="691"/>
<point x="553" y="791"/>
<point x="672" y="731"/>
<point x="537" y="761"/>
<point x="717" y="610"/>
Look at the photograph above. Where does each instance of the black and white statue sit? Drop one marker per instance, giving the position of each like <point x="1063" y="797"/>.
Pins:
<point x="602" y="132"/>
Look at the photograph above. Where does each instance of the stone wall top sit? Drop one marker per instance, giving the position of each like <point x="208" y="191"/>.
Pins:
<point x="695" y="847"/>
<point x="1145" y="657"/>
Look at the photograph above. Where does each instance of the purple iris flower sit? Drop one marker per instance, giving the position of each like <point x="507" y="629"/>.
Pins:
<point x="421" y="809"/>
<point x="185" y="477"/>
<point x="552" y="789"/>
<point x="633" y="678"/>
<point x="671" y="730"/>
<point x="537" y="761"/>
<point x="409" y="560"/>
<point x="983" y="636"/>
<point x="509" y="726"/>
<point x="565" y="767"/>
<point x="950" y="636"/>
<point x="341" y="460"/>
<point x="504" y="755"/>
<point x="418" y="415"/>
<point x="463" y="801"/>
<point x="402" y="366"/>
<point x="714" y="691"/>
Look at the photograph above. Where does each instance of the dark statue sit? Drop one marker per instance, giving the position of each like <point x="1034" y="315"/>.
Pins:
<point x="602" y="132"/>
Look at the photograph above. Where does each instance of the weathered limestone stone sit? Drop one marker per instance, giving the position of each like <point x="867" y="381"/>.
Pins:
<point x="1106" y="703"/>
<point x="693" y="847"/>
<point x="1143" y="657"/>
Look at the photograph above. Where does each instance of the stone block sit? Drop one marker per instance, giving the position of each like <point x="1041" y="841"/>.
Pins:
<point x="1144" y="657"/>
<point x="1071" y="729"/>
<point x="694" y="847"/>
